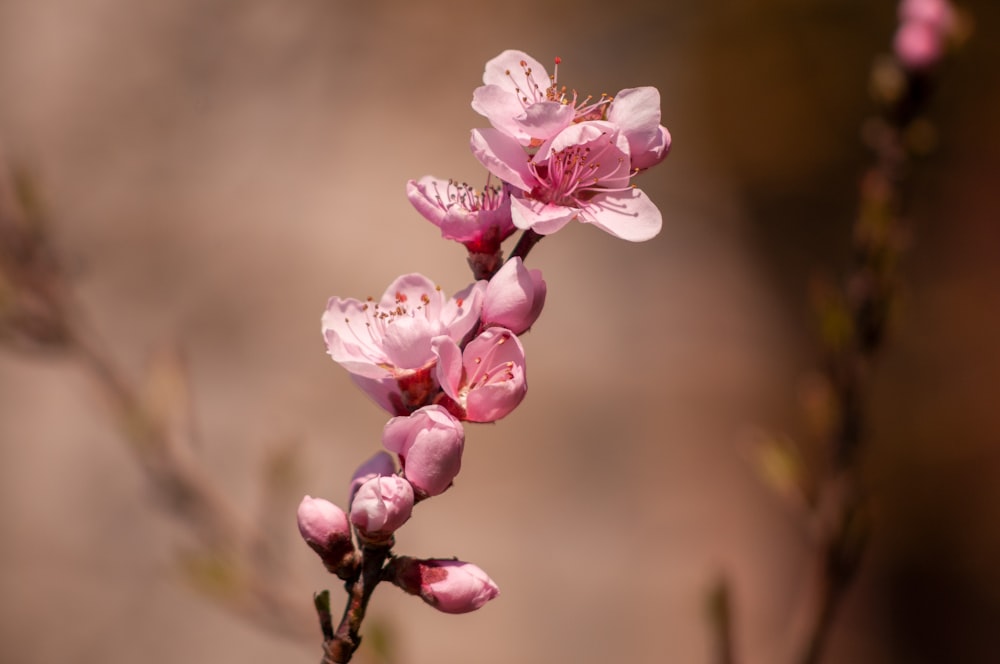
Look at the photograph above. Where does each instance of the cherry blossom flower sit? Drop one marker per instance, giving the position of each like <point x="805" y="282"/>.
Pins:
<point x="486" y="381"/>
<point x="430" y="444"/>
<point x="514" y="297"/>
<point x="524" y="102"/>
<point x="923" y="30"/>
<point x="386" y="344"/>
<point x="582" y="173"/>
<point x="450" y="586"/>
<point x="478" y="219"/>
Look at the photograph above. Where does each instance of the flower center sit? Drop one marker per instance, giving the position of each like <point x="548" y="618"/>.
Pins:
<point x="574" y="175"/>
<point x="468" y="198"/>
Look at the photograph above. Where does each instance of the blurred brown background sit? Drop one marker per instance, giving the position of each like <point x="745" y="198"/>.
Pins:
<point x="216" y="169"/>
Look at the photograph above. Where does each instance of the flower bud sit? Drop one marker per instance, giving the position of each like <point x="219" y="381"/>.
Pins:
<point x="380" y="463"/>
<point x="324" y="527"/>
<point x="429" y="442"/>
<point x="381" y="505"/>
<point x="450" y="586"/>
<point x="514" y="297"/>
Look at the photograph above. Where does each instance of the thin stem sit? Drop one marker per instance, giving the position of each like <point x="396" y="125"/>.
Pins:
<point x="339" y="648"/>
<point x="525" y="243"/>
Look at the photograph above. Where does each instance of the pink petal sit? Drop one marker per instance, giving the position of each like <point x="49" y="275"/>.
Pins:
<point x="543" y="218"/>
<point x="506" y="71"/>
<point x="423" y="195"/>
<point x="637" y="112"/>
<point x="629" y="215"/>
<point x="545" y="119"/>
<point x="503" y="156"/>
<point x="448" y="370"/>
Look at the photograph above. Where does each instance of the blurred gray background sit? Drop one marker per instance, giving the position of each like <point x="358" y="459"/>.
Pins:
<point x="216" y="169"/>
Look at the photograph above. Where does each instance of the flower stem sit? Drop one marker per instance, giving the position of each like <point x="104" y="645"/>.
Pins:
<point x="525" y="243"/>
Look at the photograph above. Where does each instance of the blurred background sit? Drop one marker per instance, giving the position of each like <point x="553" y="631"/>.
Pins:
<point x="214" y="170"/>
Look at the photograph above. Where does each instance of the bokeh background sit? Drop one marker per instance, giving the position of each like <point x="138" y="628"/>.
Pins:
<point x="215" y="169"/>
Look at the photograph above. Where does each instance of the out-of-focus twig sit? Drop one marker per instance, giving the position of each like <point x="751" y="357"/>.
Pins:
<point x="38" y="312"/>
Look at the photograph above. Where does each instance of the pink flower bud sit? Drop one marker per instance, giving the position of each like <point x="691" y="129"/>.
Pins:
<point x="380" y="463"/>
<point x="380" y="507"/>
<point x="486" y="381"/>
<point x="918" y="45"/>
<point x="450" y="586"/>
<point x="324" y="527"/>
<point x="514" y="297"/>
<point x="430" y="443"/>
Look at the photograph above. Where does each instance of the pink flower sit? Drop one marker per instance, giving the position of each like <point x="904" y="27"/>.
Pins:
<point x="582" y="173"/>
<point x="514" y="297"/>
<point x="636" y="111"/>
<point x="380" y="507"/>
<point x="386" y="345"/>
<point x="923" y="28"/>
<point x="486" y="381"/>
<point x="450" y="586"/>
<point x="521" y="100"/>
<point x="479" y="220"/>
<point x="918" y="45"/>
<point x="429" y="443"/>
<point x="324" y="528"/>
<point x="380" y="463"/>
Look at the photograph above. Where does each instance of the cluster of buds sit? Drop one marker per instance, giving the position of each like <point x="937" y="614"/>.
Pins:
<point x="435" y="362"/>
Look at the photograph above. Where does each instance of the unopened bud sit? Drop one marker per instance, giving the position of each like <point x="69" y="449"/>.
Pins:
<point x="430" y="444"/>
<point x="380" y="507"/>
<point x="450" y="586"/>
<point x="380" y="463"/>
<point x="325" y="529"/>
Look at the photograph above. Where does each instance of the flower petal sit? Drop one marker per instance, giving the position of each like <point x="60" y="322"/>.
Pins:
<point x="629" y="215"/>
<point x="543" y="218"/>
<point x="502" y="156"/>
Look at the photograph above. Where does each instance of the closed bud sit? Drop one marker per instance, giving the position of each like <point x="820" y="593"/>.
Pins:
<point x="450" y="586"/>
<point x="429" y="442"/>
<point x="514" y="297"/>
<point x="380" y="463"/>
<point x="325" y="529"/>
<point x="380" y="507"/>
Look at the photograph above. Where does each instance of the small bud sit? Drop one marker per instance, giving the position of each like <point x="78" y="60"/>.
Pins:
<point x="380" y="463"/>
<point x="380" y="507"/>
<point x="450" y="586"/>
<point x="514" y="297"/>
<point x="324" y="527"/>
<point x="430" y="444"/>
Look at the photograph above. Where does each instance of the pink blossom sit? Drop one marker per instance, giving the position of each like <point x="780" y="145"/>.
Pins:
<point x="380" y="507"/>
<point x="636" y="111"/>
<point x="514" y="297"/>
<point x="582" y="173"/>
<point x="386" y="345"/>
<point x="524" y="102"/>
<point x="429" y="443"/>
<point x="380" y="463"/>
<point x="479" y="220"/>
<point x="486" y="381"/>
<point x="923" y="28"/>
<point x="917" y="45"/>
<point x="450" y="586"/>
<point x="325" y="529"/>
